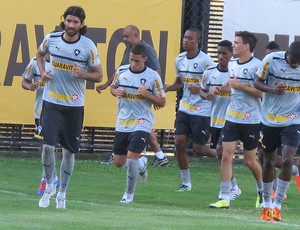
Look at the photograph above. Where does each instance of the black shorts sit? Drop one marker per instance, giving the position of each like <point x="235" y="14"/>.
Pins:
<point x="62" y="124"/>
<point x="274" y="137"/>
<point x="133" y="141"/>
<point x="247" y="133"/>
<point x="196" y="127"/>
<point x="215" y="138"/>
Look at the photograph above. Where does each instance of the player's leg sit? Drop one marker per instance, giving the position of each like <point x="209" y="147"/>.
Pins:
<point x="160" y="158"/>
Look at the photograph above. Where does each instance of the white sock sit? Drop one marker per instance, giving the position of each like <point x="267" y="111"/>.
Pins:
<point x="160" y="155"/>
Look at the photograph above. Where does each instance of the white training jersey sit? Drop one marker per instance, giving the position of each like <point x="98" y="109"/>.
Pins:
<point x="244" y="108"/>
<point x="215" y="77"/>
<point x="32" y="73"/>
<point x="190" y="70"/>
<point x="63" y="88"/>
<point x="280" y="110"/>
<point x="135" y="111"/>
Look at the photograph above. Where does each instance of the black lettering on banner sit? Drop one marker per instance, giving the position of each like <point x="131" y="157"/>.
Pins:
<point x="14" y="68"/>
<point x="115" y="40"/>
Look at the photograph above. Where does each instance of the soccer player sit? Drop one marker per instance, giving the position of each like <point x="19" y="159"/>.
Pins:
<point x="279" y="79"/>
<point x="215" y="88"/>
<point x="272" y="46"/>
<point x="193" y="116"/>
<point x="137" y="88"/>
<point x="32" y="81"/>
<point x="74" y="59"/>
<point x="243" y="117"/>
<point x="131" y="37"/>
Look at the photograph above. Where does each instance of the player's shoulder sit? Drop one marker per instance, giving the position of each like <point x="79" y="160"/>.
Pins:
<point x="55" y="34"/>
<point x="181" y="55"/>
<point x="123" y="68"/>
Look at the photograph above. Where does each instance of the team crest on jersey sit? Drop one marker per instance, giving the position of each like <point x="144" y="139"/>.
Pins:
<point x="143" y="81"/>
<point x="195" y="65"/>
<point x="141" y="120"/>
<point x="247" y="114"/>
<point x="76" y="52"/>
<point x="293" y="116"/>
<point x="245" y="71"/>
<point x="75" y="97"/>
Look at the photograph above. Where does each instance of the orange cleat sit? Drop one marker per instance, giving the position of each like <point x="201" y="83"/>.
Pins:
<point x="276" y="215"/>
<point x="266" y="214"/>
<point x="297" y="179"/>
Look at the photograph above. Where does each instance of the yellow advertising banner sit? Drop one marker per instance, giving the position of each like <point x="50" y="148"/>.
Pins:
<point x="25" y="23"/>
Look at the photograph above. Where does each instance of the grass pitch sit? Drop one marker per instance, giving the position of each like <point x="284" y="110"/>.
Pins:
<point x="95" y="191"/>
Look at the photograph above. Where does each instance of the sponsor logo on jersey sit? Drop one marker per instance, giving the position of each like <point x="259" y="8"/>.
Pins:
<point x="62" y="66"/>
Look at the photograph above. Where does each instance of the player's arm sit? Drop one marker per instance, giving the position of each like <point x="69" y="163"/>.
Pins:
<point x="102" y="87"/>
<point x="177" y="85"/>
<point x="278" y="89"/>
<point x="157" y="101"/>
<point x="236" y="84"/>
<point x="27" y="85"/>
<point x="94" y="74"/>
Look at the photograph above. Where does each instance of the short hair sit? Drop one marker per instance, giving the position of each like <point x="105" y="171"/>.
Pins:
<point x="134" y="29"/>
<point x="198" y="32"/>
<point x="248" y="38"/>
<point x="227" y="44"/>
<point x="294" y="49"/>
<point x="272" y="45"/>
<point x="139" y="49"/>
<point x="75" y="11"/>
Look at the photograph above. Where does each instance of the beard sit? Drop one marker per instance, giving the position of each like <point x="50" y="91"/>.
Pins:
<point x="71" y="32"/>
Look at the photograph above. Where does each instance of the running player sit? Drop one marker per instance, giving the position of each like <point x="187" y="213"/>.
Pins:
<point x="137" y="88"/>
<point x="243" y="117"/>
<point x="279" y="79"/>
<point x="215" y="88"/>
<point x="193" y="115"/>
<point x="74" y="59"/>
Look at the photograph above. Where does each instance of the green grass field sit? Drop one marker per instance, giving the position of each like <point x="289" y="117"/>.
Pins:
<point x="95" y="190"/>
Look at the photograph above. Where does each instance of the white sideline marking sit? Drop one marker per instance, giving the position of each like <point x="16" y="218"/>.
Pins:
<point x="180" y="212"/>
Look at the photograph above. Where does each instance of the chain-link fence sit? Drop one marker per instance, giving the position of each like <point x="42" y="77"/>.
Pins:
<point x="196" y="14"/>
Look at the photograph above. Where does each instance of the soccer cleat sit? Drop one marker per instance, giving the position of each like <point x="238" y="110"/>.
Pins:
<point x="42" y="187"/>
<point x="109" y="161"/>
<point x="274" y="194"/>
<point x="127" y="198"/>
<point x="144" y="173"/>
<point x="46" y="198"/>
<point x="234" y="193"/>
<point x="297" y="179"/>
<point x="160" y="162"/>
<point x="184" y="188"/>
<point x="61" y="202"/>
<point x="259" y="200"/>
<point x="276" y="215"/>
<point x="220" y="204"/>
<point x="266" y="214"/>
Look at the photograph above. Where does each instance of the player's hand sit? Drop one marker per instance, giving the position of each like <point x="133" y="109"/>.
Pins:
<point x="34" y="86"/>
<point x="193" y="89"/>
<point x="142" y="90"/>
<point x="100" y="88"/>
<point x="156" y="107"/>
<point x="280" y="88"/>
<point x="120" y="92"/>
<point x="76" y="71"/>
<point x="166" y="87"/>
<point x="46" y="77"/>
<point x="234" y="83"/>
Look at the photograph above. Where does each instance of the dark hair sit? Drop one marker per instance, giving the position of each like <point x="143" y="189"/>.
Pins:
<point x="139" y="49"/>
<point x="294" y="49"/>
<point x="75" y="11"/>
<point x="248" y="38"/>
<point x="272" y="45"/>
<point x="227" y="44"/>
<point x="197" y="32"/>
